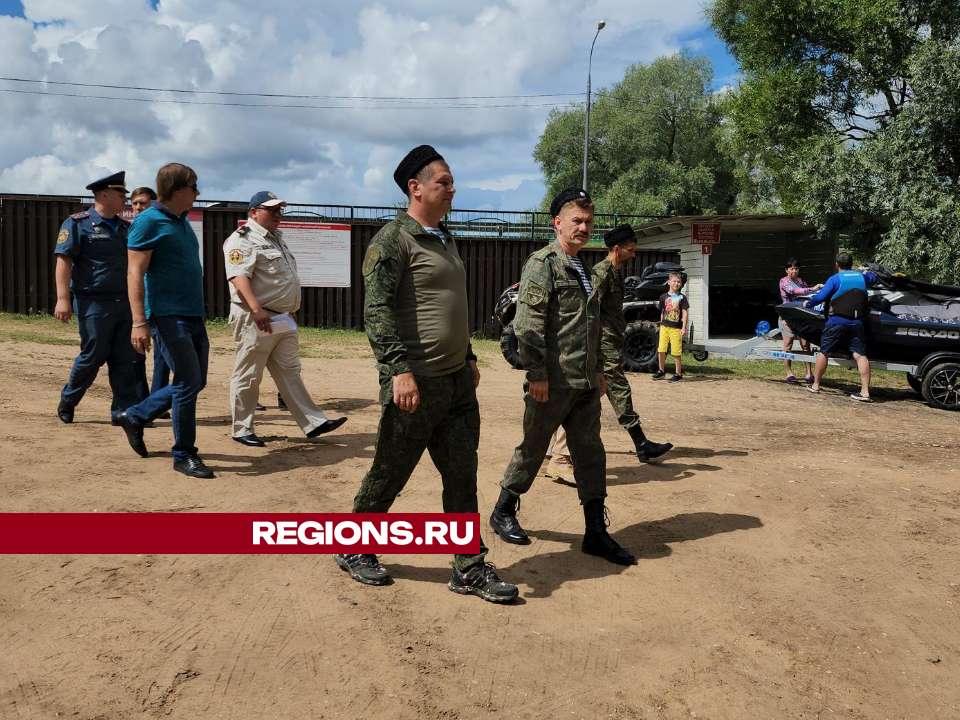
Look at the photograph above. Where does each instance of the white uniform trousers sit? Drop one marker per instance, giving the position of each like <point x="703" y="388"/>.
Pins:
<point x="558" y="444"/>
<point x="280" y="354"/>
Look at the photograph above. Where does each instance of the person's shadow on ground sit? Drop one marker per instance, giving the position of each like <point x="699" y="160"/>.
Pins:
<point x="656" y="472"/>
<point x="666" y="469"/>
<point x="546" y="572"/>
<point x="327" y="450"/>
<point x="694" y="452"/>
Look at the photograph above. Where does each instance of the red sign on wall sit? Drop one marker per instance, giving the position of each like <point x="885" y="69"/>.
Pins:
<point x="706" y="249"/>
<point x="704" y="233"/>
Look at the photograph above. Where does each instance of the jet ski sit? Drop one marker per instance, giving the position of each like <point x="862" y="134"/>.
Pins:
<point x="908" y="320"/>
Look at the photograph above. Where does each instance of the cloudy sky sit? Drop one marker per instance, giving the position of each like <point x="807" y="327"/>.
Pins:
<point x="475" y="79"/>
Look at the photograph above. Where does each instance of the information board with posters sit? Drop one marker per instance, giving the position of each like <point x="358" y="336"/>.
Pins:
<point x="322" y="252"/>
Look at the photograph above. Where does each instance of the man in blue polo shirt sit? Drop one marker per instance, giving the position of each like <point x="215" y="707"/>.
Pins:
<point x="846" y="296"/>
<point x="164" y="258"/>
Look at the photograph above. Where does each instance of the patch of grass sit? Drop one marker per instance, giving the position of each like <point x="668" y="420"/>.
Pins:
<point x="338" y="344"/>
<point x="31" y="319"/>
<point x="774" y="370"/>
<point x="36" y="337"/>
<point x="38" y="328"/>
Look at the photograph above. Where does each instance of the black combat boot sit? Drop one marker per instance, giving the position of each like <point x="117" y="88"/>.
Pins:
<point x="647" y="450"/>
<point x="596" y="539"/>
<point x="504" y="519"/>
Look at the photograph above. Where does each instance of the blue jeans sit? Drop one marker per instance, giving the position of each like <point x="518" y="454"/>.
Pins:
<point x="186" y="349"/>
<point x="161" y="371"/>
<point x="104" y="338"/>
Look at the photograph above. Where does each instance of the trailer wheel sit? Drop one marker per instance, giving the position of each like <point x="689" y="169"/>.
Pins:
<point x="915" y="383"/>
<point x="640" y="346"/>
<point x="941" y="386"/>
<point x="700" y="355"/>
<point x="510" y="347"/>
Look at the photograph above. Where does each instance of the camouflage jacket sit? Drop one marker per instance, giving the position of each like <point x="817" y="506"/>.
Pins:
<point x="557" y="323"/>
<point x="608" y="285"/>
<point x="392" y="300"/>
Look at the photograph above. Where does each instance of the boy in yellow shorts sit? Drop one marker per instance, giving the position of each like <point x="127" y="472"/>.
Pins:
<point x="674" y="310"/>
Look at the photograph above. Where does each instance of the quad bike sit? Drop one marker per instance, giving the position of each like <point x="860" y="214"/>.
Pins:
<point x="640" y="310"/>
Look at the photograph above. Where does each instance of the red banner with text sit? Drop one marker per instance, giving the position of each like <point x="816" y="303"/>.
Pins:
<point x="239" y="533"/>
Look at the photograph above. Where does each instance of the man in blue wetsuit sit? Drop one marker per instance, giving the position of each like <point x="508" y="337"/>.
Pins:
<point x="846" y="296"/>
<point x="92" y="262"/>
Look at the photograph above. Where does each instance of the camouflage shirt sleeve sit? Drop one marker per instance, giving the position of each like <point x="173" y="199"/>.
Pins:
<point x="383" y="266"/>
<point x="612" y="323"/>
<point x="530" y="323"/>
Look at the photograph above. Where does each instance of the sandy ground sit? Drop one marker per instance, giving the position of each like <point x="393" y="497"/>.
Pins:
<point x="798" y="559"/>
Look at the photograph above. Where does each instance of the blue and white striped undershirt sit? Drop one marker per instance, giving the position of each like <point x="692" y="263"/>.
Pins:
<point x="578" y="266"/>
<point x="439" y="233"/>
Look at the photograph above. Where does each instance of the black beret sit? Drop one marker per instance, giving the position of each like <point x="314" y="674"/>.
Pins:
<point x="415" y="161"/>
<point x="620" y="235"/>
<point x="566" y="196"/>
<point x="114" y="182"/>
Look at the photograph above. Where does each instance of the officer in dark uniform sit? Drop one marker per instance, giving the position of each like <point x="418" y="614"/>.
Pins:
<point x="92" y="262"/>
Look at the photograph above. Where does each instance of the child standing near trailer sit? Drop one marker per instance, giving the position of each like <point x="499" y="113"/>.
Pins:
<point x="674" y="310"/>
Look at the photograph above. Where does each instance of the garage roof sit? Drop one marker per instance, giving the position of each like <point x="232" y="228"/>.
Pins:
<point x="677" y="224"/>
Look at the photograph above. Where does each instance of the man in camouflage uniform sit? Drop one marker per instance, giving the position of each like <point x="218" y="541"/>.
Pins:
<point x="415" y="312"/>
<point x="558" y="329"/>
<point x="621" y="243"/>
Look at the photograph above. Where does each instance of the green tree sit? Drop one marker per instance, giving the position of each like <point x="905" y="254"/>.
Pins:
<point x="854" y="106"/>
<point x="655" y="143"/>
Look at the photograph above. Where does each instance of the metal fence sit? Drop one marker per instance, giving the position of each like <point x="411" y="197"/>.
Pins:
<point x="29" y="226"/>
<point x="522" y="225"/>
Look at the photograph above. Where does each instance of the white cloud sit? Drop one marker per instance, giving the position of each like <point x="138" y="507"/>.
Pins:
<point x="507" y="182"/>
<point x="301" y="47"/>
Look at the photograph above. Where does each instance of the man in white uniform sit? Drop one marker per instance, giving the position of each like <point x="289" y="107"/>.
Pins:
<point x="263" y="285"/>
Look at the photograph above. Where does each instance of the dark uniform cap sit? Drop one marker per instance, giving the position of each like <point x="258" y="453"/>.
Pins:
<point x="620" y="235"/>
<point x="415" y="161"/>
<point x="568" y="195"/>
<point x="117" y="181"/>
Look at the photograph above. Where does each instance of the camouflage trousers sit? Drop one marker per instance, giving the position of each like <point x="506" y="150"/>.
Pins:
<point x="578" y="411"/>
<point x="447" y="424"/>
<point x="619" y="395"/>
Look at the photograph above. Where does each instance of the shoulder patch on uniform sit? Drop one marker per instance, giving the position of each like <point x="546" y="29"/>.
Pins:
<point x="371" y="259"/>
<point x="235" y="257"/>
<point x="80" y="215"/>
<point x="243" y="231"/>
<point x="387" y="239"/>
<point x="534" y="295"/>
<point x="62" y="237"/>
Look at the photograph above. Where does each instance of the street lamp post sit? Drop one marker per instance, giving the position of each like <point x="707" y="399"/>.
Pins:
<point x="586" y="129"/>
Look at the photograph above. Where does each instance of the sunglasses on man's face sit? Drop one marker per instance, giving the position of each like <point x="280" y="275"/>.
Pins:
<point x="277" y="210"/>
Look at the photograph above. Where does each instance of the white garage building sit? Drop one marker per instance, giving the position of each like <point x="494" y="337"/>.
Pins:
<point x="743" y="269"/>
